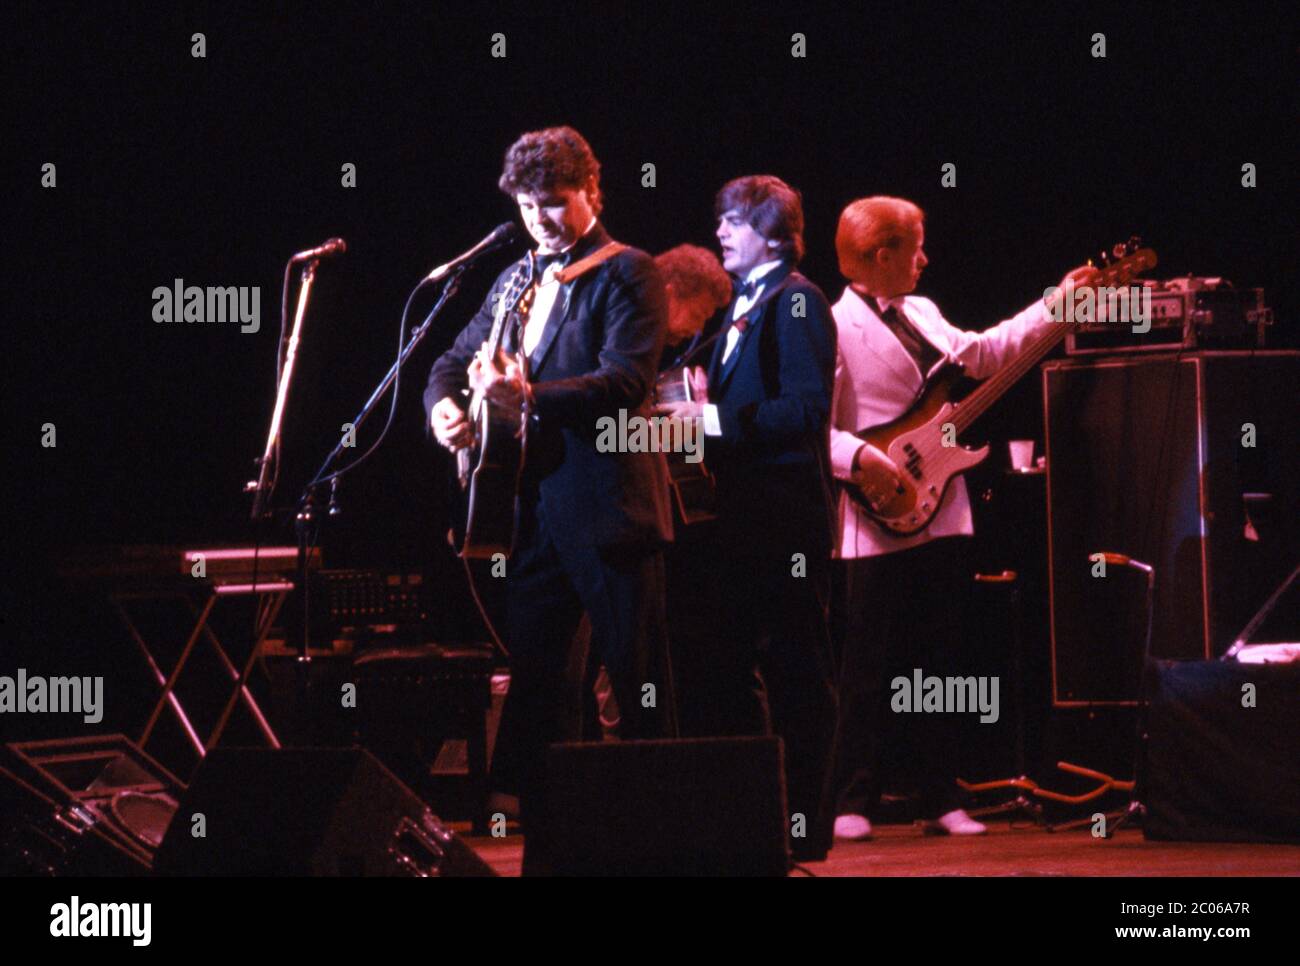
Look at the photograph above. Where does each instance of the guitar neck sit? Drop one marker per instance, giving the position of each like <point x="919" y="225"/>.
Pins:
<point x="498" y="334"/>
<point x="1132" y="261"/>
<point x="992" y="389"/>
<point x="516" y="292"/>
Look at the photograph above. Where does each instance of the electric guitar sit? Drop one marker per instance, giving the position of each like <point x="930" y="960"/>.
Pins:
<point x="489" y="468"/>
<point x="922" y="442"/>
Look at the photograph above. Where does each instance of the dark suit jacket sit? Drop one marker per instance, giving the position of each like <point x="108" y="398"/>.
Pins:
<point x="774" y="393"/>
<point x="597" y="355"/>
<point x="774" y="398"/>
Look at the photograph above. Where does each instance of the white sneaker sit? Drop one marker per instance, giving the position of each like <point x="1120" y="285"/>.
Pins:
<point x="854" y="828"/>
<point x="956" y="822"/>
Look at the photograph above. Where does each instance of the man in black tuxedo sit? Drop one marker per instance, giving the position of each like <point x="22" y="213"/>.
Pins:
<point x="768" y="390"/>
<point x="592" y="524"/>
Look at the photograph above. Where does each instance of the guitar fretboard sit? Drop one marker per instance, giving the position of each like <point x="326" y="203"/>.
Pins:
<point x="1042" y="342"/>
<point x="991" y="390"/>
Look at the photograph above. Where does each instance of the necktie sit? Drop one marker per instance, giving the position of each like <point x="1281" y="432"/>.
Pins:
<point x="916" y="346"/>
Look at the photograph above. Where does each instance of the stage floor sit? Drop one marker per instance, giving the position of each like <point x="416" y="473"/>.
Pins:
<point x="900" y="850"/>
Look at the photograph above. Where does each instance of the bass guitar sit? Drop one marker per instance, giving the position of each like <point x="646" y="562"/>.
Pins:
<point x="922" y="443"/>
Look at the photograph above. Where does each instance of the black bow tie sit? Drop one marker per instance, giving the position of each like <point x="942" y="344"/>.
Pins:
<point x="544" y="262"/>
<point x="746" y="289"/>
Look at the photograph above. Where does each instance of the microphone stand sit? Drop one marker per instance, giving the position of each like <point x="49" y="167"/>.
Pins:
<point x="261" y="487"/>
<point x="307" y="504"/>
<point x="1136" y="811"/>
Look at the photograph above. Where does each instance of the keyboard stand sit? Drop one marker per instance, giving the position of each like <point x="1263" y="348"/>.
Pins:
<point x="271" y="597"/>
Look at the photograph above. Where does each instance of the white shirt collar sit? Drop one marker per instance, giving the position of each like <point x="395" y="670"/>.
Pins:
<point x="758" y="271"/>
<point x="878" y="305"/>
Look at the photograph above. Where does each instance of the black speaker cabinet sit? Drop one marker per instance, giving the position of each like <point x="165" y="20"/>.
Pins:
<point x="1190" y="463"/>
<point x="696" y="806"/>
<point x="1223" y="752"/>
<point x="307" y="811"/>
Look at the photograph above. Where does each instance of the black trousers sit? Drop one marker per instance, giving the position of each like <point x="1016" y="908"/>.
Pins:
<point x="548" y="590"/>
<point x="770" y="670"/>
<point x="694" y="627"/>
<point x="903" y="610"/>
<point x="691" y="601"/>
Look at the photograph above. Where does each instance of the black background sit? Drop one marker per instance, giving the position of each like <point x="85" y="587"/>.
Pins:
<point x="214" y="170"/>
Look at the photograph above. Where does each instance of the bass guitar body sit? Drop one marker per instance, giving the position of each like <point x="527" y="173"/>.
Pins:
<point x="922" y="444"/>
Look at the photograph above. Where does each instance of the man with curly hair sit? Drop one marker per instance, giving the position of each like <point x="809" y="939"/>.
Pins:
<point x="698" y="286"/>
<point x="592" y="524"/>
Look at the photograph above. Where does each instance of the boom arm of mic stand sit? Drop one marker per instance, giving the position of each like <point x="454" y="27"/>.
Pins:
<point x="417" y="336"/>
<point x="306" y="511"/>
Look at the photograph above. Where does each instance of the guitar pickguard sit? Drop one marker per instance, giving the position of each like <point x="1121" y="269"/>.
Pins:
<point x="927" y="466"/>
<point x="916" y="444"/>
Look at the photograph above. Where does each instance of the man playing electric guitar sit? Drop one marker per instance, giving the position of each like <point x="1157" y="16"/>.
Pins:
<point x="903" y="592"/>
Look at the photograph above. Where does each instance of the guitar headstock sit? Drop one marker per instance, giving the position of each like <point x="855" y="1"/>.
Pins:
<point x="512" y="302"/>
<point x="1123" y="263"/>
<point x="515" y="286"/>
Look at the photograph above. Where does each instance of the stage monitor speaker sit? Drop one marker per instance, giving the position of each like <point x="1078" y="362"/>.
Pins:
<point x="94" y="805"/>
<point x="1223" y="752"/>
<point x="307" y="811"/>
<point x="1188" y="463"/>
<point x="695" y="806"/>
<point x="43" y="837"/>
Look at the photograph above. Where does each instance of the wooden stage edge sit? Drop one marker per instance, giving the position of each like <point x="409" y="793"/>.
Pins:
<point x="901" y="850"/>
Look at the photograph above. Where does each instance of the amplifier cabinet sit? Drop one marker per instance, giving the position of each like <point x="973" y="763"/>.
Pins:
<point x="1188" y="462"/>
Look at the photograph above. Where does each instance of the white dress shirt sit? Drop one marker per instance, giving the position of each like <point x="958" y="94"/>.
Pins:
<point x="544" y="298"/>
<point x="712" y="424"/>
<point x="746" y="302"/>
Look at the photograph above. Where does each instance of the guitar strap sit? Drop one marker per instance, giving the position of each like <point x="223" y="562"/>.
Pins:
<point x="584" y="265"/>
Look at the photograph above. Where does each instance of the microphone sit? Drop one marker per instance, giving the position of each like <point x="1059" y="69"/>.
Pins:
<point x="335" y="246"/>
<point x="502" y="234"/>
